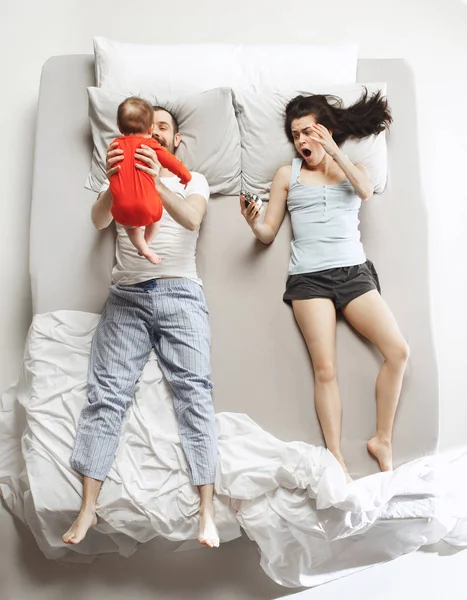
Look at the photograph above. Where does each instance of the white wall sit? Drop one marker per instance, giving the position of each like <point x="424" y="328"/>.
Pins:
<point x="430" y="34"/>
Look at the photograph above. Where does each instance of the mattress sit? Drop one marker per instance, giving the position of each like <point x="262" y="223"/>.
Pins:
<point x="239" y="273"/>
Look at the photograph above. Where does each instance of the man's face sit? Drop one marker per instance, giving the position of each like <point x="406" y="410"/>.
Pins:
<point x="164" y="131"/>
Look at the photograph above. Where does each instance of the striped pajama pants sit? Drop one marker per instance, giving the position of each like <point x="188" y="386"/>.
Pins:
<point x="169" y="315"/>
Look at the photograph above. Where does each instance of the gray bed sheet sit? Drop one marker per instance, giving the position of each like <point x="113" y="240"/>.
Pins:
<point x="260" y="365"/>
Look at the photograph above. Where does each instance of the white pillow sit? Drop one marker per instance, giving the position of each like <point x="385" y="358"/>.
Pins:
<point x="166" y="69"/>
<point x="265" y="147"/>
<point x="180" y="69"/>
<point x="282" y="67"/>
<point x="210" y="136"/>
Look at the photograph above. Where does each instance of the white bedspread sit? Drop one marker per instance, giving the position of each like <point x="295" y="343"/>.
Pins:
<point x="290" y="498"/>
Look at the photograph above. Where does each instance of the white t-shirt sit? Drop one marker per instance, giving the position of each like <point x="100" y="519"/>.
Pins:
<point x="175" y="244"/>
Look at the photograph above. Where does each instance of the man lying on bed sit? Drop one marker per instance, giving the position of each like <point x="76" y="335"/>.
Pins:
<point x="151" y="306"/>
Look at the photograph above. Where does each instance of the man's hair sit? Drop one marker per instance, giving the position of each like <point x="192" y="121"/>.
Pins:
<point x="134" y="116"/>
<point x="174" y="120"/>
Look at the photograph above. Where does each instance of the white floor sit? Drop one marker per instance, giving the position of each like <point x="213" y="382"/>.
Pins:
<point x="232" y="573"/>
<point x="425" y="575"/>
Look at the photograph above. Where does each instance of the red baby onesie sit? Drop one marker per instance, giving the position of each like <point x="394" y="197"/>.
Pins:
<point x="136" y="202"/>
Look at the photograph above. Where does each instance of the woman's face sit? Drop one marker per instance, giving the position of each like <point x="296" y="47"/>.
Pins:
<point x="310" y="150"/>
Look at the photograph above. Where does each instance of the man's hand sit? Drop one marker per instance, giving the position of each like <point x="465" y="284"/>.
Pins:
<point x="152" y="165"/>
<point x="114" y="156"/>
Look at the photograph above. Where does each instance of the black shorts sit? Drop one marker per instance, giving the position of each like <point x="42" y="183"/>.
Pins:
<point x="341" y="285"/>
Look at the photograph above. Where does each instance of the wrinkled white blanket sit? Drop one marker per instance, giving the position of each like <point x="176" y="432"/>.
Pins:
<point x="290" y="498"/>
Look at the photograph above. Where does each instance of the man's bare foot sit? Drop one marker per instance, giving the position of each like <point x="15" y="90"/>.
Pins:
<point x="152" y="257"/>
<point x="382" y="451"/>
<point x="77" y="532"/>
<point x="208" y="534"/>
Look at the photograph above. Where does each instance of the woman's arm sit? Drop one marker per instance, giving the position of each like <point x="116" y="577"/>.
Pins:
<point x="357" y="175"/>
<point x="275" y="211"/>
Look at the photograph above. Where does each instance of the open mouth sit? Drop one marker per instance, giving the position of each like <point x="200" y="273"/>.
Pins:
<point x="306" y="152"/>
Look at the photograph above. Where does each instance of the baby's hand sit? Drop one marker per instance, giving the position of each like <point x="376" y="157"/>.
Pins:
<point x="114" y="156"/>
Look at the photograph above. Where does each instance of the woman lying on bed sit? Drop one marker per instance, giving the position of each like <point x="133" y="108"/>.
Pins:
<point x="328" y="268"/>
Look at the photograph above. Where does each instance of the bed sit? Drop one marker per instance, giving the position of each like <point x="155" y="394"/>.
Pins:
<point x="394" y="230"/>
<point x="70" y="267"/>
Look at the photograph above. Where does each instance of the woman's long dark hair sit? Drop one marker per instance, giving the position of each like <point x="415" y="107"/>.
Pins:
<point x="369" y="115"/>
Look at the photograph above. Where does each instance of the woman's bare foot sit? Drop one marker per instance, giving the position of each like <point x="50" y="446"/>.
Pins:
<point x="382" y="450"/>
<point x="208" y="534"/>
<point x="77" y="532"/>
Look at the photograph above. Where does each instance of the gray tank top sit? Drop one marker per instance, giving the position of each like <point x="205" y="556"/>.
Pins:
<point x="325" y="225"/>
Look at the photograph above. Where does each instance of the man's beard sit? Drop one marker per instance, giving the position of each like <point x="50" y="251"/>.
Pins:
<point x="169" y="147"/>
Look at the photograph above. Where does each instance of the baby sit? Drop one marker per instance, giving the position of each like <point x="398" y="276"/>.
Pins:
<point x="136" y="202"/>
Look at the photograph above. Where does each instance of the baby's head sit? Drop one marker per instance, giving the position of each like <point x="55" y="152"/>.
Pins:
<point x="135" y="116"/>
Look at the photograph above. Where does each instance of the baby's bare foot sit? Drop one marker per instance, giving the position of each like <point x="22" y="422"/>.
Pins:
<point x="382" y="450"/>
<point x="152" y="257"/>
<point x="77" y="532"/>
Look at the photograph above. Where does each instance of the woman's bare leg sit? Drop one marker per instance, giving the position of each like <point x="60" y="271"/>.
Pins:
<point x="371" y="317"/>
<point x="317" y="321"/>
